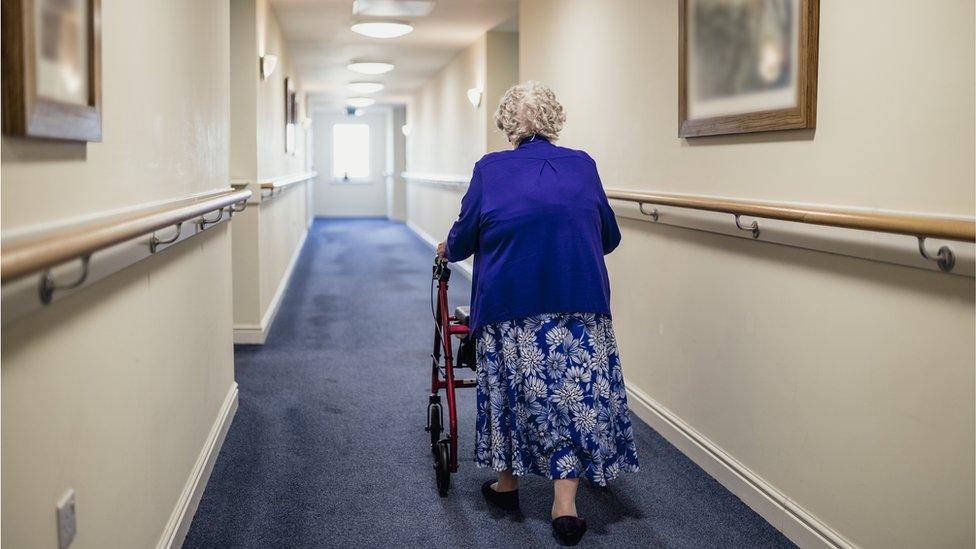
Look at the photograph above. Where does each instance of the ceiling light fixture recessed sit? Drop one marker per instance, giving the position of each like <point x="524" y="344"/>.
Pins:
<point x="370" y="67"/>
<point x="382" y="29"/>
<point x="365" y="87"/>
<point x="360" y="101"/>
<point x="393" y="8"/>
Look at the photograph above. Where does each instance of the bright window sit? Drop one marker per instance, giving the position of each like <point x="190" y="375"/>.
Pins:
<point x="350" y="151"/>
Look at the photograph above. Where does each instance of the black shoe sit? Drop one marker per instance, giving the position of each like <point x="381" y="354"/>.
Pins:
<point x="503" y="500"/>
<point x="568" y="530"/>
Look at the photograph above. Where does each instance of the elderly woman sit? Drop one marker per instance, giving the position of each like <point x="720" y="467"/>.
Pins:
<point x="551" y="399"/>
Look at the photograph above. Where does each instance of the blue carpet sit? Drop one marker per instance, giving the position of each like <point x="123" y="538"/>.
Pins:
<point x="328" y="450"/>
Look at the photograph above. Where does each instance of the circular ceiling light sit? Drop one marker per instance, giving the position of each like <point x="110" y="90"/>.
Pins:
<point x="382" y="29"/>
<point x="365" y="87"/>
<point x="370" y="67"/>
<point x="360" y="101"/>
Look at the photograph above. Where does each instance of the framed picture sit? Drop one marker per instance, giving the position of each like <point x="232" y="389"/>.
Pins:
<point x="291" y="115"/>
<point x="746" y="66"/>
<point x="52" y="69"/>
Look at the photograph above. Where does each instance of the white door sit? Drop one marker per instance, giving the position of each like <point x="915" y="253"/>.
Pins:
<point x="350" y="157"/>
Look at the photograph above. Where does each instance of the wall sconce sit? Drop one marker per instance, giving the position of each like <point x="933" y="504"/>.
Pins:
<point x="405" y="129"/>
<point x="474" y="96"/>
<point x="268" y="64"/>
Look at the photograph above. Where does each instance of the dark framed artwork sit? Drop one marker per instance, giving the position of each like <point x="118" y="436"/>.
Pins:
<point x="291" y="115"/>
<point x="52" y="69"/>
<point x="746" y="66"/>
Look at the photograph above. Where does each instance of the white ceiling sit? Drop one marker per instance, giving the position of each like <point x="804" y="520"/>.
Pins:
<point x="320" y="43"/>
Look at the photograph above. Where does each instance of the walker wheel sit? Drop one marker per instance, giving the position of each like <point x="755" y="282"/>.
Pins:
<point x="435" y="424"/>
<point x="442" y="467"/>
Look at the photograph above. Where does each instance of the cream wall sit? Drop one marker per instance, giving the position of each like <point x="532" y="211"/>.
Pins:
<point x="151" y="127"/>
<point x="432" y="210"/>
<point x="396" y="151"/>
<point x="283" y="228"/>
<point x="502" y="71"/>
<point x="847" y="385"/>
<point x="895" y="116"/>
<point x="243" y="90"/>
<point x="448" y="135"/>
<point x="114" y="391"/>
<point x="272" y="230"/>
<point x="273" y="161"/>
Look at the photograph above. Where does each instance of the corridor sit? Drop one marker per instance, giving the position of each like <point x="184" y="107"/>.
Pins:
<point x="720" y="257"/>
<point x="328" y="449"/>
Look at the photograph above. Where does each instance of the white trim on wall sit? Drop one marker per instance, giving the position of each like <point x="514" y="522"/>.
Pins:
<point x="256" y="334"/>
<point x="20" y="296"/>
<point x="798" y="524"/>
<point x="448" y="181"/>
<point x="870" y="245"/>
<point x="21" y="232"/>
<point x="281" y="182"/>
<point x="186" y="506"/>
<point x="466" y="266"/>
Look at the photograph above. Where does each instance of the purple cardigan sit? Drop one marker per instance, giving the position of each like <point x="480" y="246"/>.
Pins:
<point x="539" y="223"/>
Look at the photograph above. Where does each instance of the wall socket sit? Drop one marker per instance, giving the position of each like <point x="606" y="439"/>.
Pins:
<point x="66" y="519"/>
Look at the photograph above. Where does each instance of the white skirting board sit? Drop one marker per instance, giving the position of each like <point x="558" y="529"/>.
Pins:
<point x="256" y="334"/>
<point x="179" y="521"/>
<point x="787" y="516"/>
<point x="465" y="266"/>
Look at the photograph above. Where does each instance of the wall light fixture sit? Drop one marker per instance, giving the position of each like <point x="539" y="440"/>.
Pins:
<point x="474" y="96"/>
<point x="268" y="64"/>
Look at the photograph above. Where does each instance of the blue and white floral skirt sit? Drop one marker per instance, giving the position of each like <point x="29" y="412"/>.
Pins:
<point x="551" y="399"/>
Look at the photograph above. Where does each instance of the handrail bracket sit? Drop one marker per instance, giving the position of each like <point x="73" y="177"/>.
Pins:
<point x="753" y="227"/>
<point x="154" y="241"/>
<point x="48" y="286"/>
<point x="944" y="258"/>
<point x="203" y="221"/>
<point x="237" y="207"/>
<point x="653" y="214"/>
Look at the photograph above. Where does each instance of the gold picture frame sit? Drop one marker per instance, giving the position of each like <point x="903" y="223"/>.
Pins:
<point x="291" y="115"/>
<point x="747" y="66"/>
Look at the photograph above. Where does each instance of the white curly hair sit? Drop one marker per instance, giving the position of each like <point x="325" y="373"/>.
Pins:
<point x="528" y="109"/>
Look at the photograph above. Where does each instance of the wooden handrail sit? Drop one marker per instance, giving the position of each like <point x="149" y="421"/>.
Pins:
<point x="446" y="181"/>
<point x="913" y="225"/>
<point x="436" y="177"/>
<point x="287" y="181"/>
<point x="33" y="254"/>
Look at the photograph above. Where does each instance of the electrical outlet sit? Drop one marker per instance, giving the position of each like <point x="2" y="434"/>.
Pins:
<point x="66" y="519"/>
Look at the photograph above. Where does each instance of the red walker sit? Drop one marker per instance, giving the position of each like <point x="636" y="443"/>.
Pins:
<point x="445" y="449"/>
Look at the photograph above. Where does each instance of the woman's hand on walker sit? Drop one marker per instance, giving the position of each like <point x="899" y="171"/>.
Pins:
<point x="442" y="251"/>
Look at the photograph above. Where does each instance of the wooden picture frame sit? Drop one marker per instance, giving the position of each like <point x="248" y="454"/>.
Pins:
<point x="36" y="101"/>
<point x="802" y="114"/>
<point x="291" y="115"/>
